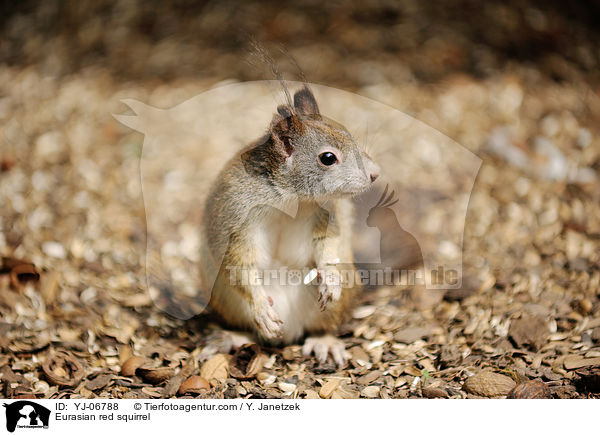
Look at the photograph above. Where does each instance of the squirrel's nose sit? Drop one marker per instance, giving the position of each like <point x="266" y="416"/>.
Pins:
<point x="371" y="169"/>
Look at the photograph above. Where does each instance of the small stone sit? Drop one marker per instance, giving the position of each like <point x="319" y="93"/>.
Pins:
<point x="435" y="393"/>
<point x="54" y="249"/>
<point x="290" y="353"/>
<point x="556" y="166"/>
<point x="363" y="312"/>
<point x="287" y="387"/>
<point x="534" y="389"/>
<point x="41" y="387"/>
<point x="489" y="384"/>
<point x="50" y="147"/>
<point x="585" y="306"/>
<point x="266" y="378"/>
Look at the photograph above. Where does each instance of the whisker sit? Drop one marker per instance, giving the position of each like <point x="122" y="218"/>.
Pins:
<point x="390" y="196"/>
<point x="382" y="196"/>
<point x="392" y="203"/>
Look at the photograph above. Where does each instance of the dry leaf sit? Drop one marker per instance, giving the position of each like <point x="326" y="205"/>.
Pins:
<point x="577" y="362"/>
<point x="215" y="368"/>
<point x="98" y="382"/>
<point x="369" y="377"/>
<point x="49" y="287"/>
<point x="410" y="335"/>
<point x="529" y="331"/>
<point x="370" y="392"/>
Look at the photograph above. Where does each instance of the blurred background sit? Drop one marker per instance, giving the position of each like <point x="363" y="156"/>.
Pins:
<point x="515" y="82"/>
<point x="349" y="43"/>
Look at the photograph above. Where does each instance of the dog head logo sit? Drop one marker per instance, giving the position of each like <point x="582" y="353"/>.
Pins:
<point x="26" y="414"/>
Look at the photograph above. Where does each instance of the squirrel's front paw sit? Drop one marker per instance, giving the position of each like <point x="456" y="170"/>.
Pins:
<point x="330" y="288"/>
<point x="268" y="323"/>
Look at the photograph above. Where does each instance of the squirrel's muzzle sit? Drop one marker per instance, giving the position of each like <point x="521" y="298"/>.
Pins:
<point x="372" y="169"/>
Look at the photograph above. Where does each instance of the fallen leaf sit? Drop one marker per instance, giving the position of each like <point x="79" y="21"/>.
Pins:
<point x="49" y="286"/>
<point x="578" y="362"/>
<point x="98" y="382"/>
<point x="215" y="368"/>
<point x="410" y="335"/>
<point x="328" y="388"/>
<point x="529" y="331"/>
<point x="369" y="377"/>
<point x="370" y="392"/>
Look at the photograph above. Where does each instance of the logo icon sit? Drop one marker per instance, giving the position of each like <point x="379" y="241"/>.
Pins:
<point x="26" y="414"/>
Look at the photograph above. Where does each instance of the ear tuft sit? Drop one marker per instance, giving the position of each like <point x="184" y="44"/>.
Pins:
<point x="285" y="111"/>
<point x="305" y="103"/>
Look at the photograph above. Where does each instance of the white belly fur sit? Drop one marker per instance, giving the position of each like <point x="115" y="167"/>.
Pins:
<point x="285" y="242"/>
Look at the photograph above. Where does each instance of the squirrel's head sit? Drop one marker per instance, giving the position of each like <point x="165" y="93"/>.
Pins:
<point x="318" y="157"/>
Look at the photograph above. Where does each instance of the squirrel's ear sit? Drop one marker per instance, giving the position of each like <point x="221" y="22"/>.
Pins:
<point x="305" y="103"/>
<point x="285" y="111"/>
<point x="284" y="125"/>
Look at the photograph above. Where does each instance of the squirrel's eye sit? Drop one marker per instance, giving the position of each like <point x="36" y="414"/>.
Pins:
<point x="327" y="158"/>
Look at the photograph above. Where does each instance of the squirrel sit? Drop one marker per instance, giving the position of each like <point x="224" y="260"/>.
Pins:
<point x="264" y="212"/>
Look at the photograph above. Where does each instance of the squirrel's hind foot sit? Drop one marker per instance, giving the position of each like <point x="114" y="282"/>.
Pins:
<point x="224" y="341"/>
<point x="326" y="345"/>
